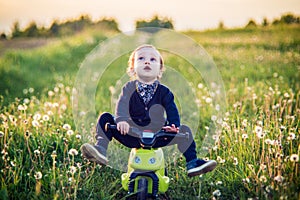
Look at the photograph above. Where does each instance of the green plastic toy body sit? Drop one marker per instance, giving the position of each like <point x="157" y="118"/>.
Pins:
<point x="146" y="163"/>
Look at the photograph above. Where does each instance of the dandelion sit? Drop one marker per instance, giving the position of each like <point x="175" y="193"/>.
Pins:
<point x="278" y="178"/>
<point x="294" y="158"/>
<point x="291" y="136"/>
<point x="208" y="100"/>
<point x="220" y="160"/>
<point x="38" y="175"/>
<point x="219" y="183"/>
<point x="78" y="137"/>
<point x="70" y="132"/>
<point x="263" y="179"/>
<point x="245" y="136"/>
<point x="63" y="107"/>
<point x="46" y="118"/>
<point x="50" y="93"/>
<point x="37" y="152"/>
<point x="66" y="127"/>
<point x="35" y="123"/>
<point x="213" y="117"/>
<point x="235" y="161"/>
<point x="245" y="123"/>
<point x="259" y="132"/>
<point x="37" y="116"/>
<point x="53" y="155"/>
<point x="22" y="107"/>
<point x="73" y="152"/>
<point x="73" y="169"/>
<point x="217" y="193"/>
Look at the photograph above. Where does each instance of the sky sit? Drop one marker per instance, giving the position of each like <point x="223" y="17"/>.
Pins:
<point x="186" y="14"/>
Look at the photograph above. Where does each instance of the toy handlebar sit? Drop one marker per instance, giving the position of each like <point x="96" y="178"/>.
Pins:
<point x="148" y="138"/>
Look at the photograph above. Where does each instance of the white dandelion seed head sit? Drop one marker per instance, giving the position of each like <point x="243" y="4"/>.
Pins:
<point x="73" y="152"/>
<point x="294" y="158"/>
<point x="38" y="175"/>
<point x="66" y="126"/>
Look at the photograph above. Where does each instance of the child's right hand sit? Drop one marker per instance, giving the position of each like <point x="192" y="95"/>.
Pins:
<point x="123" y="127"/>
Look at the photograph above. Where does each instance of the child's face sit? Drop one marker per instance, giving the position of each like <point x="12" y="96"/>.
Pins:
<point x="147" y="64"/>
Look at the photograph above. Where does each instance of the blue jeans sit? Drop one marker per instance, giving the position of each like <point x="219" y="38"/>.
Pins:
<point x="188" y="148"/>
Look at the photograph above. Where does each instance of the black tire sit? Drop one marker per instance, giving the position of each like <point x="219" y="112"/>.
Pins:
<point x="142" y="189"/>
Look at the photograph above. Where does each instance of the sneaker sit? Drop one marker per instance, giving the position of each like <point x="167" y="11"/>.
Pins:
<point x="198" y="167"/>
<point x="94" y="153"/>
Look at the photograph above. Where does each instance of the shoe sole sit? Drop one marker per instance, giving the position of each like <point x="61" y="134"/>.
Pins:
<point x="89" y="152"/>
<point x="207" y="167"/>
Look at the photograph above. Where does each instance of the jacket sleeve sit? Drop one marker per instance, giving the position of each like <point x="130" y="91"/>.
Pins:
<point x="122" y="106"/>
<point x="171" y="109"/>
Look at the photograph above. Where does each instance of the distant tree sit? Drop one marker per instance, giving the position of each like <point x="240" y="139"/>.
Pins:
<point x="156" y="21"/>
<point x="288" y="19"/>
<point x="3" y="36"/>
<point x="221" y="25"/>
<point x="108" y="23"/>
<point x="31" y="30"/>
<point x="54" y="28"/>
<point x="16" y="32"/>
<point x="251" y="23"/>
<point x="265" y="22"/>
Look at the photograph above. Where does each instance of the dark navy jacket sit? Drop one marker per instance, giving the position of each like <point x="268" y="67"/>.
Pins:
<point x="131" y="108"/>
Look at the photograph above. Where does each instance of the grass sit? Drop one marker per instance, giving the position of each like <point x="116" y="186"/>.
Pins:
<point x="257" y="150"/>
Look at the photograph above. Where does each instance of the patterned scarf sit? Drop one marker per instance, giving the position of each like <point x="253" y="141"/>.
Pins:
<point x="146" y="91"/>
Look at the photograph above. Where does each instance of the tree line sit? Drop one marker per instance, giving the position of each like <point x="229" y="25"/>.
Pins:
<point x="84" y="21"/>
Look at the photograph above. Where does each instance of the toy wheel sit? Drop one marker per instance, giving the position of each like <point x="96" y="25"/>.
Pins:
<point x="142" y="189"/>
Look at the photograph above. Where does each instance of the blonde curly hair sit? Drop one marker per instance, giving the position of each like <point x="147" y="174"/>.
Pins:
<point x="130" y="68"/>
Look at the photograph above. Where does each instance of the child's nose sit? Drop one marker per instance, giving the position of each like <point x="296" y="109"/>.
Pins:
<point x="147" y="62"/>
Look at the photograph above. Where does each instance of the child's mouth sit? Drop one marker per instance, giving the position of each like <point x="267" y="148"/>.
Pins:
<point x="147" y="68"/>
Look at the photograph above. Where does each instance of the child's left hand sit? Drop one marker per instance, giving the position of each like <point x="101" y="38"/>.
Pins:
<point x="171" y="128"/>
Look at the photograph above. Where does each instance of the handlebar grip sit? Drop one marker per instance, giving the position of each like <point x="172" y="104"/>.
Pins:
<point x="109" y="126"/>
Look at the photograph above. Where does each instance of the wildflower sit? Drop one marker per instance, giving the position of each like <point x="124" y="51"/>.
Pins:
<point x="1" y="134"/>
<point x="294" y="158"/>
<point x="22" y="107"/>
<point x="263" y="179"/>
<point x="235" y="161"/>
<point x="217" y="193"/>
<point x="279" y="178"/>
<point x="208" y="100"/>
<point x="73" y="152"/>
<point x="56" y="89"/>
<point x="37" y="152"/>
<point x="219" y="183"/>
<point x="63" y="107"/>
<point x="37" y="117"/>
<point x="31" y="90"/>
<point x="72" y="169"/>
<point x="291" y="136"/>
<point x="213" y="118"/>
<point x="46" y="117"/>
<point x="259" y="132"/>
<point x="53" y="155"/>
<point x="35" y="123"/>
<point x="38" y="175"/>
<point x="220" y="160"/>
<point x="66" y="127"/>
<point x="50" y="93"/>
<point x="70" y="132"/>
<point x="245" y="136"/>
<point x="245" y="123"/>
<point x="78" y="136"/>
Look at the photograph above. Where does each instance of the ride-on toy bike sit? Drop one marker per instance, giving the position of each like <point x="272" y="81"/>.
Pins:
<point x="146" y="174"/>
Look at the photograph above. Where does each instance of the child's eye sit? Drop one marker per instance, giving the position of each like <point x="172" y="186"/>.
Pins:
<point x="141" y="58"/>
<point x="153" y="59"/>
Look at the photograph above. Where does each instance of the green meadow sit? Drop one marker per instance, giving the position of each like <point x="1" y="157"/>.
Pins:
<point x="257" y="149"/>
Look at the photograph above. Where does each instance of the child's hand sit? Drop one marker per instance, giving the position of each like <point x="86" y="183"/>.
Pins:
<point x="123" y="127"/>
<point x="171" y="128"/>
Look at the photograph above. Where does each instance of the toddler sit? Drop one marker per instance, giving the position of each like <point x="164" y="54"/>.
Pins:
<point x="143" y="103"/>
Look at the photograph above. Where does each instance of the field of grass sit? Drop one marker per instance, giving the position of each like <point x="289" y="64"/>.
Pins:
<point x="257" y="149"/>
